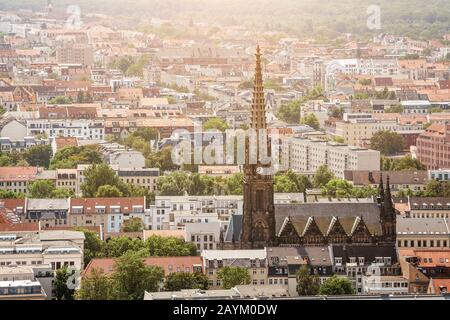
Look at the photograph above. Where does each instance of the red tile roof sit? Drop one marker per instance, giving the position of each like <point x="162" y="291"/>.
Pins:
<point x="8" y="225"/>
<point x="12" y="204"/>
<point x="89" y="204"/>
<point x="429" y="258"/>
<point x="178" y="264"/>
<point x="384" y="82"/>
<point x="18" y="173"/>
<point x="62" y="142"/>
<point x="438" y="286"/>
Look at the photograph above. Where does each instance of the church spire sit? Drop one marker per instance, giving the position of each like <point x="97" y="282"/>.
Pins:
<point x="258" y="116"/>
<point x="388" y="196"/>
<point x="381" y="186"/>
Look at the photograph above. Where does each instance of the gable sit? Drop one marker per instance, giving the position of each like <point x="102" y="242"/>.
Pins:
<point x="360" y="232"/>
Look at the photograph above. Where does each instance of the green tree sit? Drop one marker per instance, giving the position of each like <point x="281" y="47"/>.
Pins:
<point x="290" y="112"/>
<point x="145" y="133"/>
<point x="8" y="194"/>
<point x="99" y="175"/>
<point x="336" y="286"/>
<point x="62" y="292"/>
<point x="138" y="191"/>
<point x="41" y="189"/>
<point x="365" y="192"/>
<point x="96" y="286"/>
<point x="337" y="112"/>
<point x="234" y="184"/>
<point x="132" y="277"/>
<point x="283" y="184"/>
<point x="394" y="109"/>
<point x="169" y="246"/>
<point x="311" y="120"/>
<point x="69" y="157"/>
<point x="338" y="188"/>
<point x="174" y="184"/>
<point x="108" y="191"/>
<point x="307" y="284"/>
<point x="62" y="193"/>
<point x="133" y="225"/>
<point x="215" y="124"/>
<point x="162" y="159"/>
<point x="38" y="155"/>
<point x="387" y="142"/>
<point x="403" y="193"/>
<point x="365" y="82"/>
<point x="118" y="246"/>
<point x="437" y="189"/>
<point x="233" y="276"/>
<point x="60" y="100"/>
<point x="5" y="160"/>
<point x="93" y="246"/>
<point x="400" y="164"/>
<point x="186" y="280"/>
<point x="322" y="177"/>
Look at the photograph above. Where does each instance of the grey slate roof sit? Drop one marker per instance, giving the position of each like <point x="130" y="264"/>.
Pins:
<point x="370" y="212"/>
<point x="423" y="225"/>
<point x="369" y="252"/>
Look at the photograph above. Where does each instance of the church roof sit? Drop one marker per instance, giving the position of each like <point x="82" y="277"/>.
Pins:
<point x="324" y="212"/>
<point x="234" y="228"/>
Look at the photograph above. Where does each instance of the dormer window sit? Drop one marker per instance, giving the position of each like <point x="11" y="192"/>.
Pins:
<point x="100" y="209"/>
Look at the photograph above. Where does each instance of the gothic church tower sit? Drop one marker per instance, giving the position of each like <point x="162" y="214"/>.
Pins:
<point x="258" y="224"/>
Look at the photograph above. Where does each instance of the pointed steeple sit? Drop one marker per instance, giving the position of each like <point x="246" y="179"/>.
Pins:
<point x="258" y="116"/>
<point x="388" y="196"/>
<point x="381" y="186"/>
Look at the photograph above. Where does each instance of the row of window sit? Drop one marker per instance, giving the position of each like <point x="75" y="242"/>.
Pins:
<point x="422" y="243"/>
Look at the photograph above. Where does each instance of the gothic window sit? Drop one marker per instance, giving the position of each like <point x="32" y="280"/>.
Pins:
<point x="289" y="235"/>
<point x="361" y="234"/>
<point x="259" y="231"/>
<point x="260" y="200"/>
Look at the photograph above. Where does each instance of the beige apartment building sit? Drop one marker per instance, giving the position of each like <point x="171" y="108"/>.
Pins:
<point x="67" y="179"/>
<point x="424" y="233"/>
<point x="16" y="179"/>
<point x="142" y="177"/>
<point x="358" y="132"/>
<point x="307" y="155"/>
<point x="75" y="54"/>
<point x="253" y="260"/>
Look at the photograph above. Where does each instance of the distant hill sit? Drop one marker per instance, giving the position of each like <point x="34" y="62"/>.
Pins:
<point x="326" y="18"/>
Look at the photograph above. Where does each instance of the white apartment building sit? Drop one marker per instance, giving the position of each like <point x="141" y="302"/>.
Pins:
<point x="375" y="283"/>
<point x="206" y="236"/>
<point x="57" y="248"/>
<point x="79" y="128"/>
<point x="172" y="213"/>
<point x="363" y="66"/>
<point x="307" y="155"/>
<point x="175" y="212"/>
